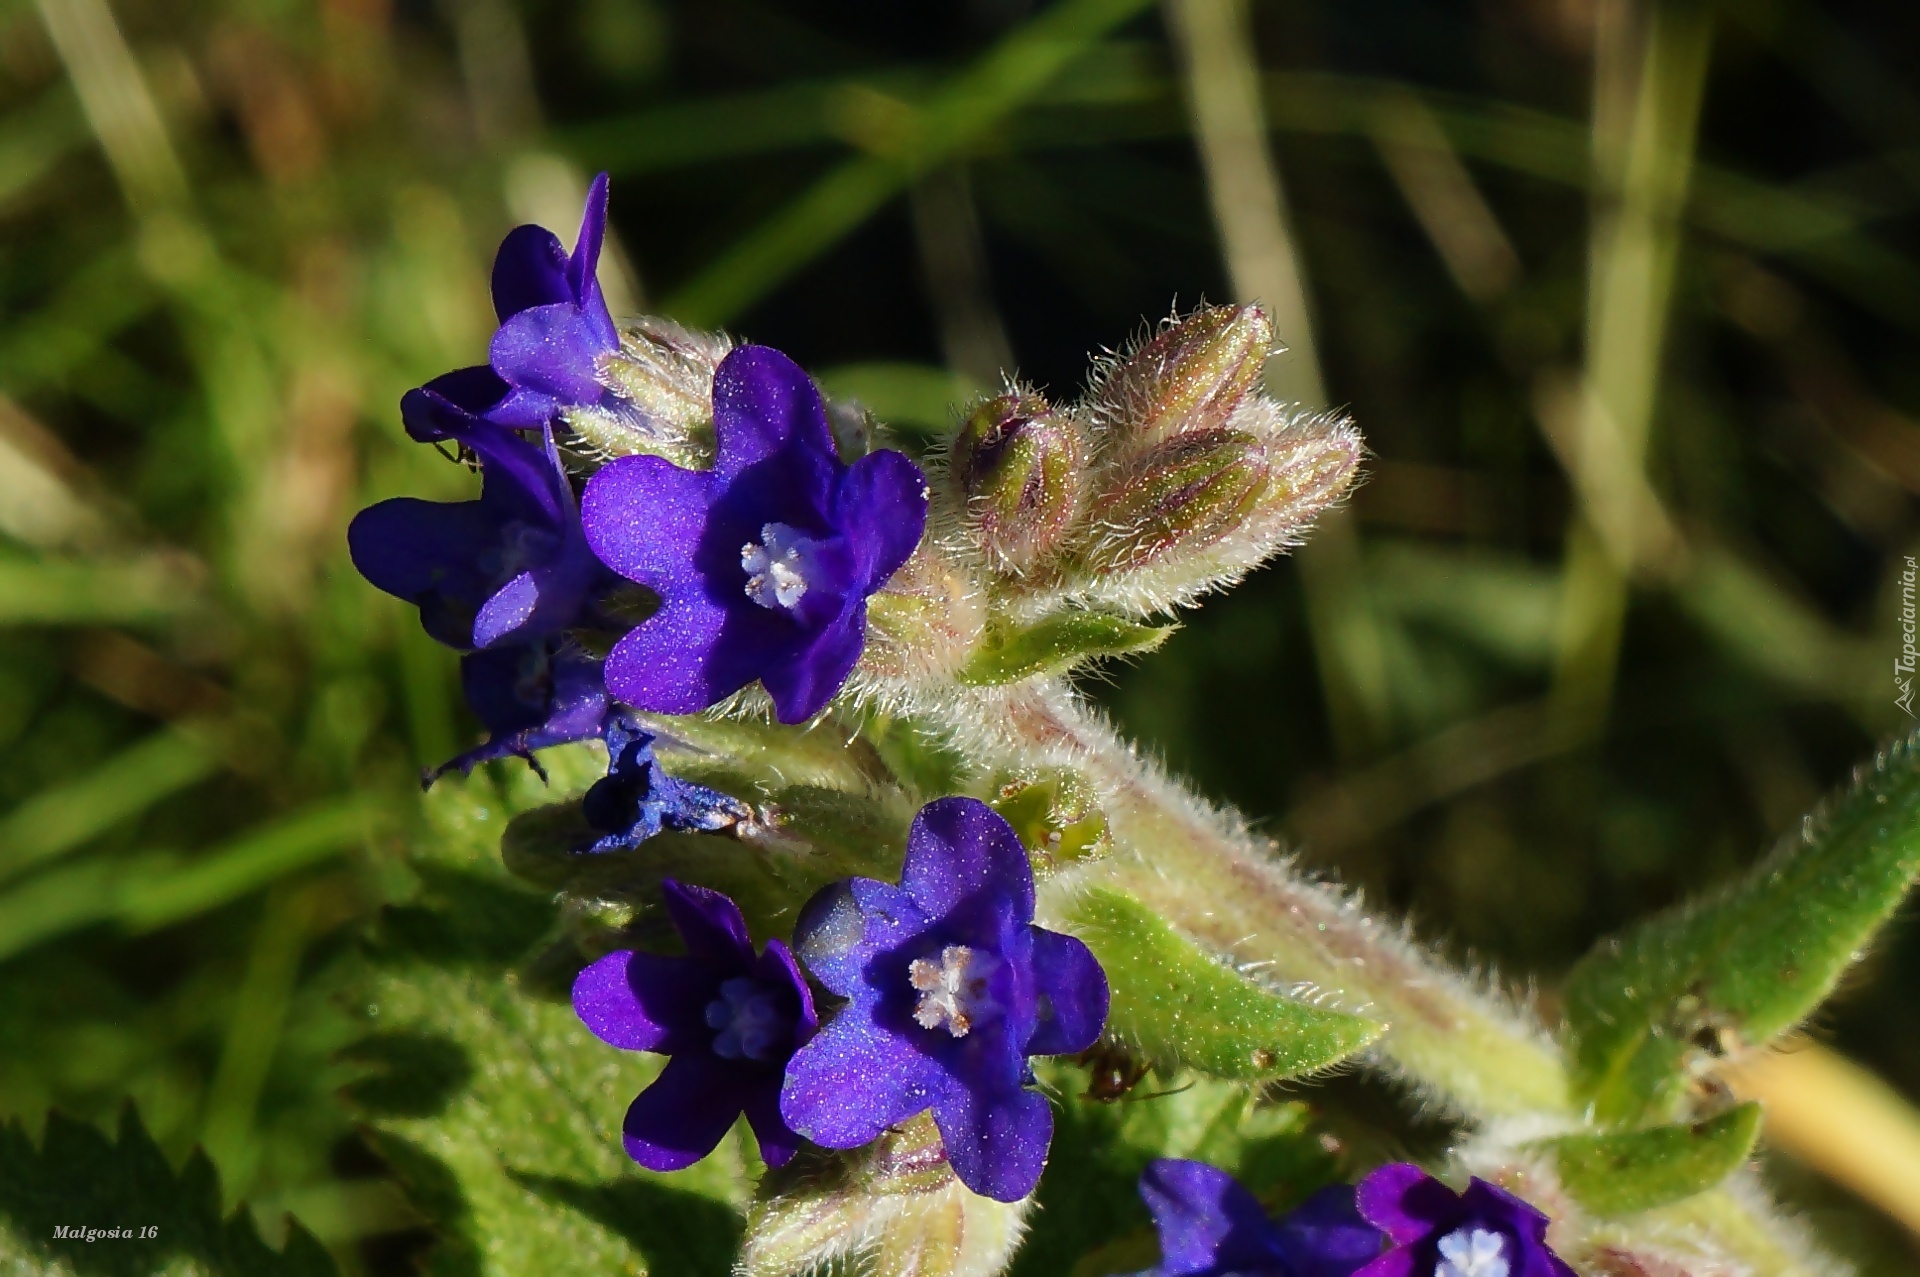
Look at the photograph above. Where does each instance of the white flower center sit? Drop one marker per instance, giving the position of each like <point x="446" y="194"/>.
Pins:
<point x="1472" y="1253"/>
<point x="748" y="1017"/>
<point x="778" y="566"/>
<point x="953" y="991"/>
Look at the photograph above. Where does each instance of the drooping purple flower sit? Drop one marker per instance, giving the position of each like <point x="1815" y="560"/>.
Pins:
<point x="1211" y="1226"/>
<point x="764" y="563"/>
<point x="529" y="697"/>
<point x="507" y="574"/>
<point x="727" y="1019"/>
<point x="636" y="799"/>
<point x="951" y="987"/>
<point x="1436" y="1232"/>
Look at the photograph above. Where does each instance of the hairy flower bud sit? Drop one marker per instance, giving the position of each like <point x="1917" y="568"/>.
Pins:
<point x="1186" y="494"/>
<point x="1189" y="376"/>
<point x="662" y="382"/>
<point x="1017" y="466"/>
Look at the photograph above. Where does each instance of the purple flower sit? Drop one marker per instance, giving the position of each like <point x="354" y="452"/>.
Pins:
<point x="727" y="1019"/>
<point x="529" y="697"/>
<point x="1211" y="1226"/>
<point x="507" y="574"/>
<point x="951" y="988"/>
<point x="636" y="800"/>
<point x="764" y="563"/>
<point x="1436" y="1232"/>
<point x="555" y="331"/>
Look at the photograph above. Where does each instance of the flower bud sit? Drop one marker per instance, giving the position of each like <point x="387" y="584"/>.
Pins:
<point x="1188" y="493"/>
<point x="1189" y="376"/>
<point x="1057" y="816"/>
<point x="662" y="380"/>
<point x="1017" y="466"/>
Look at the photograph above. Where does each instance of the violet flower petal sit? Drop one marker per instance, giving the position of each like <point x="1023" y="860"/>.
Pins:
<point x="1402" y="1261"/>
<point x="1406" y="1202"/>
<point x="529" y="270"/>
<point x="530" y="698"/>
<point x="711" y="925"/>
<point x="996" y="1145"/>
<point x="1326" y="1237"/>
<point x="1073" y="995"/>
<point x="645" y="1001"/>
<point x="801" y="687"/>
<point x="1208" y="1223"/>
<point x="767" y="414"/>
<point x="881" y="509"/>
<point x="853" y="1081"/>
<point x="423" y="552"/>
<point x="553" y="351"/>
<point x="685" y="1114"/>
<point x="960" y="849"/>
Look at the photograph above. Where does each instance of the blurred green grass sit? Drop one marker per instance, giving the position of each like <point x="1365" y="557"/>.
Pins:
<point x="235" y="232"/>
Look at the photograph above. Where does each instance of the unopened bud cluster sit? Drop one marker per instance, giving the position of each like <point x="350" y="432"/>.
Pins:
<point x="1172" y="477"/>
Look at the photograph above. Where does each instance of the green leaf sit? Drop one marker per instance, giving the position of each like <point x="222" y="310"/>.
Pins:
<point x="1627" y="1172"/>
<point x="1182" y="1007"/>
<point x="1007" y="656"/>
<point x="1740" y="968"/>
<point x="495" y="1107"/>
<point x="78" y="1178"/>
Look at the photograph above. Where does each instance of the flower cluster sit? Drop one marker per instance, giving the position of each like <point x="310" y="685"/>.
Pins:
<point x="701" y="580"/>
<point x="1398" y="1222"/>
<point x="949" y="989"/>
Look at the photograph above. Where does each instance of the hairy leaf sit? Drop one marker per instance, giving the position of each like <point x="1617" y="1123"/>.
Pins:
<point x="78" y="1179"/>
<point x="1626" y="1172"/>
<point x="497" y="1110"/>
<point x="1181" y="1006"/>
<point x="1740" y="968"/>
<point x="1055" y="644"/>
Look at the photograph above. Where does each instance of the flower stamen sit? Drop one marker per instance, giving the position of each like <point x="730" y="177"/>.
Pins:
<point x="1472" y="1253"/>
<point x="778" y="566"/>
<point x="953" y="991"/>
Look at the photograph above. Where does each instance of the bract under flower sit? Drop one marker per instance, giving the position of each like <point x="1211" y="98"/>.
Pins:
<point x="727" y="1019"/>
<point x="1211" y="1226"/>
<point x="1436" y="1232"/>
<point x="764" y="563"/>
<point x="636" y="799"/>
<point x="951" y="987"/>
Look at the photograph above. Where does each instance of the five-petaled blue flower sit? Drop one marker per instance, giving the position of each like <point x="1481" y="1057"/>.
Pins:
<point x="636" y="799"/>
<point x="763" y="564"/>
<point x="951" y="987"/>
<point x="506" y="574"/>
<point x="1436" y="1232"/>
<point x="728" y="1020"/>
<point x="1211" y="1226"/>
